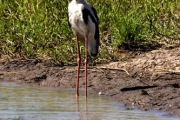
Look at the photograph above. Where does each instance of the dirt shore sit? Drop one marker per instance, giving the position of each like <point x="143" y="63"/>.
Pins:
<point x="148" y="80"/>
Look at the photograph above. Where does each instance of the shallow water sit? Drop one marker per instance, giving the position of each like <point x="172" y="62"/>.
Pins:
<point x="22" y="102"/>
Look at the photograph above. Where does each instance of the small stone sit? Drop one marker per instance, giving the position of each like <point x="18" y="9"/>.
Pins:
<point x="143" y="92"/>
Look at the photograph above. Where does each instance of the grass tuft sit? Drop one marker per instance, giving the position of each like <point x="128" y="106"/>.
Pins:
<point x="38" y="29"/>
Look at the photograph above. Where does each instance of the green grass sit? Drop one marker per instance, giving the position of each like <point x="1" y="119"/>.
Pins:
<point x="38" y="28"/>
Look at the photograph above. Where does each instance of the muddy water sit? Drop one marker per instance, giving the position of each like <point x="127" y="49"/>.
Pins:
<point x="21" y="102"/>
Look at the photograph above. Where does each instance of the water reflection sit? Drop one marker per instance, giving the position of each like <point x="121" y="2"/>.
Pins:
<point x="85" y="111"/>
<point x="34" y="103"/>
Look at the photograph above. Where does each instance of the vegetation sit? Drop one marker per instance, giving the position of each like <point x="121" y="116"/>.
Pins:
<point x="39" y="29"/>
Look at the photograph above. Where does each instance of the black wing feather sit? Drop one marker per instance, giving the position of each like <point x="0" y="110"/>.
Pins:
<point x="87" y="13"/>
<point x="95" y="13"/>
<point x="68" y="20"/>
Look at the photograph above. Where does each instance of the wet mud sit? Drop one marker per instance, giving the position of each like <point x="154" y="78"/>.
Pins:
<point x="149" y="80"/>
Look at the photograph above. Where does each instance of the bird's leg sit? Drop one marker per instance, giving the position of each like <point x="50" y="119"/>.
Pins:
<point x="86" y="61"/>
<point x="79" y="63"/>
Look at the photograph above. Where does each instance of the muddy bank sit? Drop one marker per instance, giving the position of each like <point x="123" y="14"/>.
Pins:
<point x="149" y="80"/>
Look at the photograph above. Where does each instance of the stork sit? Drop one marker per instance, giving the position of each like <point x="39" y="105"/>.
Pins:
<point x="83" y="20"/>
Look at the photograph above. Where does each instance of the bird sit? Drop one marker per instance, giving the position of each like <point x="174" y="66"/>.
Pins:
<point x="84" y="22"/>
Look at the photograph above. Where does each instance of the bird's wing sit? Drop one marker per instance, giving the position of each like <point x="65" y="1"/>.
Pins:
<point x="68" y="20"/>
<point x="95" y="13"/>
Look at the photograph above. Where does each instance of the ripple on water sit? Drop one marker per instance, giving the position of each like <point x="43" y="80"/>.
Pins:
<point x="22" y="102"/>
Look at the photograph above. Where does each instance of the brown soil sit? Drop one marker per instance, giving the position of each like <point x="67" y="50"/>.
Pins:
<point x="148" y="80"/>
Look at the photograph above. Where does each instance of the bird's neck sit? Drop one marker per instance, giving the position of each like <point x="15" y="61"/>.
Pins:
<point x="78" y="1"/>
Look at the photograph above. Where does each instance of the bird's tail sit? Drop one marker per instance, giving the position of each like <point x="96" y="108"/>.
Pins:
<point x="93" y="46"/>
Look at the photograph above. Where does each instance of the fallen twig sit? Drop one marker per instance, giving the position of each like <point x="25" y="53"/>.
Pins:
<point x="120" y="69"/>
<point x="174" y="71"/>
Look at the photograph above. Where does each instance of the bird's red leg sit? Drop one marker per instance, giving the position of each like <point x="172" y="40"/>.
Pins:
<point x="86" y="60"/>
<point x="79" y="63"/>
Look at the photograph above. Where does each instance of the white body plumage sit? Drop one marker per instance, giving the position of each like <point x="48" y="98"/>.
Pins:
<point x="83" y="20"/>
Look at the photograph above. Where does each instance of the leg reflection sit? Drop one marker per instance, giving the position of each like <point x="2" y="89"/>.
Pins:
<point x="78" y="108"/>
<point x="86" y="108"/>
<point x="82" y="115"/>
